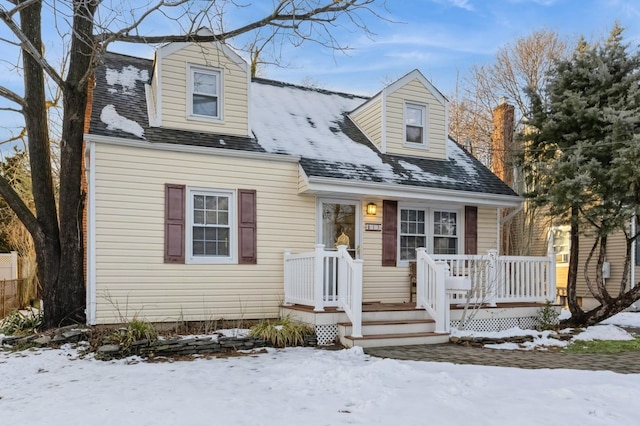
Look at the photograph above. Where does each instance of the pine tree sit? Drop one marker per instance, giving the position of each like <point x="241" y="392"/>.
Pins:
<point x="584" y="160"/>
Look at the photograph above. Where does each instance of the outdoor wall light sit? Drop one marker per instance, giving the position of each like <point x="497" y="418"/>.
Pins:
<point x="372" y="209"/>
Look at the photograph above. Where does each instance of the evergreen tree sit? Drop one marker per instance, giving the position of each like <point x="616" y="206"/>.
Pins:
<point x="584" y="161"/>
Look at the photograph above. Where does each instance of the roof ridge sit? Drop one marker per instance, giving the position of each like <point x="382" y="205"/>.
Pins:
<point x="280" y="83"/>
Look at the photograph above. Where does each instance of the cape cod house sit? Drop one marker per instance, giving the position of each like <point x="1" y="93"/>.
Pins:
<point x="214" y="195"/>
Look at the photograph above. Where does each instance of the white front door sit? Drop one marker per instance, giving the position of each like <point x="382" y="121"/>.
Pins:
<point x="339" y="220"/>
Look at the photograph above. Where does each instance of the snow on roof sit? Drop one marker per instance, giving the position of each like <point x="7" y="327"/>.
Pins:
<point x="115" y="121"/>
<point x="416" y="173"/>
<point x="307" y="123"/>
<point x="126" y="78"/>
<point x="456" y="154"/>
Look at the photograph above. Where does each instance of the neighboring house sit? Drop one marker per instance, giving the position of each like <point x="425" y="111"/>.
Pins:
<point x="201" y="178"/>
<point x="612" y="271"/>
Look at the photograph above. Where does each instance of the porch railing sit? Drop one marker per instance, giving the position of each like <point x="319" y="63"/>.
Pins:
<point x="480" y="279"/>
<point x="496" y="279"/>
<point x="325" y="278"/>
<point x="430" y="289"/>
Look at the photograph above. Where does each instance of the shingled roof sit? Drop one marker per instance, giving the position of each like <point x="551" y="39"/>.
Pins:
<point x="289" y="120"/>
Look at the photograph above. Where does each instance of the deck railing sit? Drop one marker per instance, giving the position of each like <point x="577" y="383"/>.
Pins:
<point x="496" y="279"/>
<point x="325" y="278"/>
<point x="430" y="289"/>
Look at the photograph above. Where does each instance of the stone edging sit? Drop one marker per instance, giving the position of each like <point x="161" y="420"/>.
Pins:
<point x="175" y="346"/>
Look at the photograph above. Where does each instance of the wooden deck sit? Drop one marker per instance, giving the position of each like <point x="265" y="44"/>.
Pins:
<point x="411" y="306"/>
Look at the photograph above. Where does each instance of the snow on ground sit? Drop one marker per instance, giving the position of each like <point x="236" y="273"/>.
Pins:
<point x="305" y="386"/>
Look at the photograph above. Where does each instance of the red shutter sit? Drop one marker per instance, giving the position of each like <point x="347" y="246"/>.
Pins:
<point x="247" y="237"/>
<point x="470" y="230"/>
<point x="389" y="233"/>
<point x="174" y="223"/>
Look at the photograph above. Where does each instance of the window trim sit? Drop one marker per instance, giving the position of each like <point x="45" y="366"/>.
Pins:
<point x="429" y="227"/>
<point x="425" y="115"/>
<point x="233" y="237"/>
<point x="190" y="92"/>
<point x="434" y="235"/>
<point x="563" y="254"/>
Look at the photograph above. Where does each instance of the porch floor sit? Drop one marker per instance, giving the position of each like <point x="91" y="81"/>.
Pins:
<point x="411" y="306"/>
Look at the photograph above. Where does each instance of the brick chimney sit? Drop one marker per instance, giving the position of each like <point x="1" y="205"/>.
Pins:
<point x="503" y="148"/>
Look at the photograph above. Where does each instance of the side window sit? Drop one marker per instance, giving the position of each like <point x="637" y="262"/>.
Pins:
<point x="415" y="120"/>
<point x="205" y="92"/>
<point x="561" y="244"/>
<point x="210" y="230"/>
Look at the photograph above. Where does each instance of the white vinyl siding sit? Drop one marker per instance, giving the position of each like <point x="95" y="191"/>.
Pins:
<point x="131" y="276"/>
<point x="369" y="120"/>
<point x="415" y="92"/>
<point x="176" y="102"/>
<point x="487" y="229"/>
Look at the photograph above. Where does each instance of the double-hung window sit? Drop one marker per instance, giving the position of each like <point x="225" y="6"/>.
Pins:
<point x="445" y="232"/>
<point x="415" y="120"/>
<point x="211" y="238"/>
<point x="205" y="91"/>
<point x="435" y="230"/>
<point x="412" y="232"/>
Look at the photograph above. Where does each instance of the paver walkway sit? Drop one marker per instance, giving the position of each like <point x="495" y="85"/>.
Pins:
<point x="625" y="362"/>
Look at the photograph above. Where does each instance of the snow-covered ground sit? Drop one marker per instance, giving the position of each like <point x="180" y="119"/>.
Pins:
<point x="303" y="386"/>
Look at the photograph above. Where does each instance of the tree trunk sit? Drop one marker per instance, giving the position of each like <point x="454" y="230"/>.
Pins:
<point x="46" y="235"/>
<point x="577" y="314"/>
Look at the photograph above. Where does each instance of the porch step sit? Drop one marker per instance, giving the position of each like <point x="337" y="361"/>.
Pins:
<point x="399" y="339"/>
<point x="388" y="327"/>
<point x="397" y="315"/>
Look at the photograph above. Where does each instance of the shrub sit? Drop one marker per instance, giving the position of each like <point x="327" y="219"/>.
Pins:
<point x="548" y="317"/>
<point x="21" y="323"/>
<point x="282" y="332"/>
<point x="134" y="331"/>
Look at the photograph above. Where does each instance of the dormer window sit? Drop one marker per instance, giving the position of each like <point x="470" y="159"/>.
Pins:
<point x="415" y="120"/>
<point x="204" y="93"/>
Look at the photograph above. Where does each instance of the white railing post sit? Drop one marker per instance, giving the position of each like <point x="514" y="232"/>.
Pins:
<point x="356" y="299"/>
<point x="318" y="278"/>
<point x="442" y="307"/>
<point x="420" y="278"/>
<point x="551" y="279"/>
<point x="341" y="276"/>
<point x="288" y="284"/>
<point x="492" y="278"/>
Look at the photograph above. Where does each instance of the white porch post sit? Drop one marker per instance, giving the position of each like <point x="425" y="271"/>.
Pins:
<point x="288" y="285"/>
<point x="492" y="278"/>
<point x="420" y="251"/>
<point x="551" y="279"/>
<point x="442" y="305"/>
<point x="356" y="296"/>
<point x="318" y="279"/>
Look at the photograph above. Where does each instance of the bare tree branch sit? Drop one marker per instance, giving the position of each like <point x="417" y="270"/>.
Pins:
<point x="28" y="47"/>
<point x="284" y="16"/>
<point x="21" y="210"/>
<point x="12" y="96"/>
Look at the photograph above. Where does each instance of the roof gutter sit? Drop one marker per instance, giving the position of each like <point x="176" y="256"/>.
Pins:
<point x="396" y="191"/>
<point x="160" y="146"/>
<point x="511" y="215"/>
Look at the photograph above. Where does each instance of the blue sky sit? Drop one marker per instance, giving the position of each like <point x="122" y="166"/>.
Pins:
<point x="441" y="38"/>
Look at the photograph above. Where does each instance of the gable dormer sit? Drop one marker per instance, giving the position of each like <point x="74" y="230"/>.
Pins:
<point x="200" y="87"/>
<point x="408" y="117"/>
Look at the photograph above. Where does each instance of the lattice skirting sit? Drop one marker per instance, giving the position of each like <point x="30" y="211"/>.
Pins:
<point x="326" y="334"/>
<point x="498" y="324"/>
